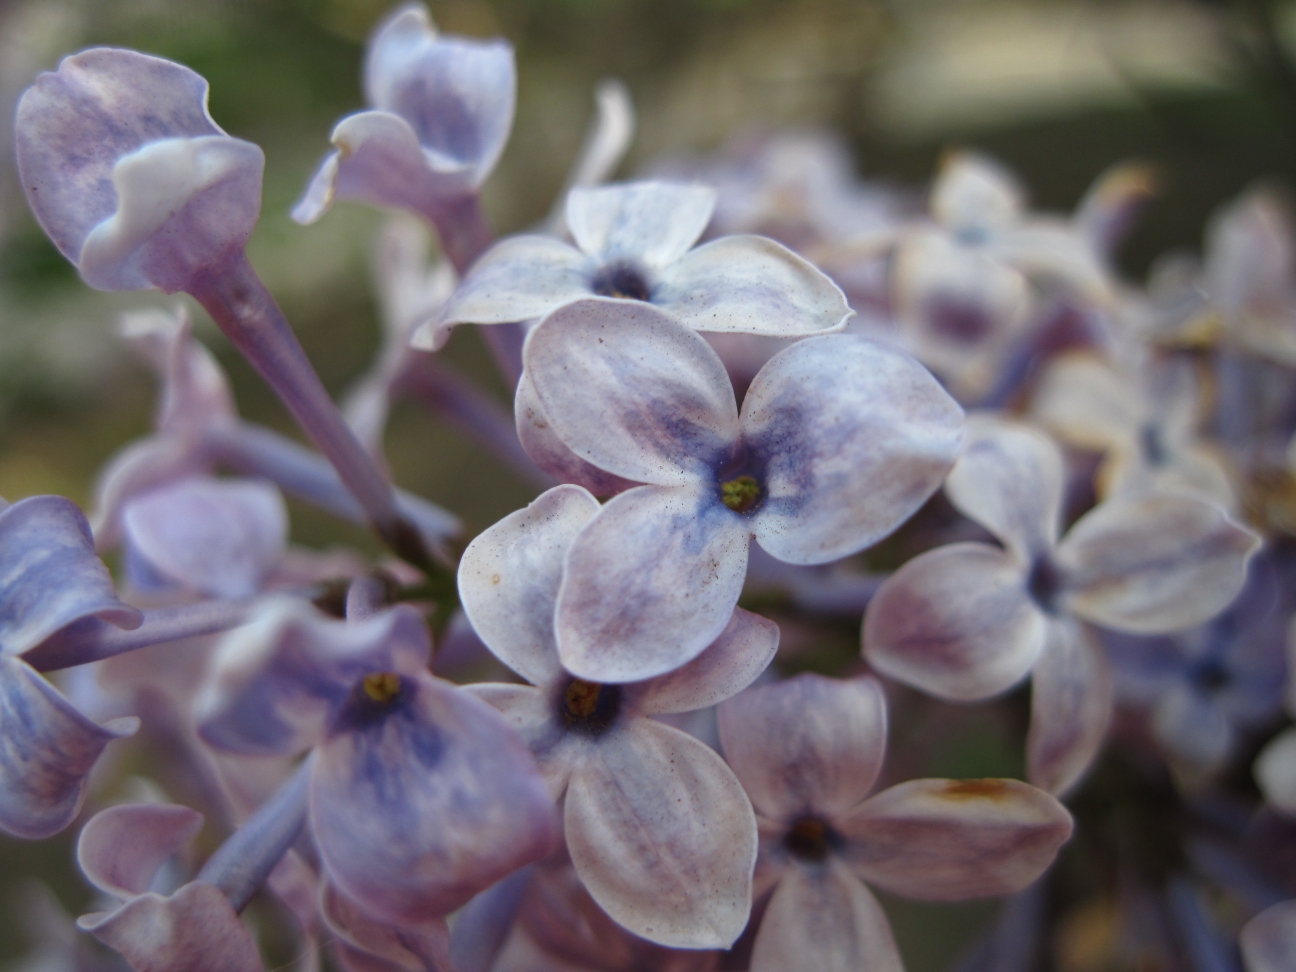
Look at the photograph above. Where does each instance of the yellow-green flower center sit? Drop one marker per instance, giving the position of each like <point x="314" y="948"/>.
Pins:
<point x="740" y="494"/>
<point x="382" y="687"/>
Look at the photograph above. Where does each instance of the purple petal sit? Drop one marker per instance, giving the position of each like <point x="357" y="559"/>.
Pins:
<point x="138" y="468"/>
<point x="663" y="837"/>
<point x="420" y="808"/>
<point x="1269" y="939"/>
<point x="1154" y="562"/>
<point x="974" y="194"/>
<point x="73" y="125"/>
<point x="946" y="840"/>
<point x="649" y="583"/>
<point x="853" y="437"/>
<point x="726" y="667"/>
<point x="824" y="919"/>
<point x="510" y="574"/>
<point x="956" y="622"/>
<point x="650" y="223"/>
<point x="521" y="278"/>
<point x="1071" y="707"/>
<point x="1194" y="730"/>
<point x="47" y="750"/>
<point x="120" y="849"/>
<point x="422" y="946"/>
<point x="530" y="712"/>
<point x="752" y="285"/>
<point x="632" y="391"/>
<point x="51" y="574"/>
<point x="218" y="537"/>
<point x="810" y="744"/>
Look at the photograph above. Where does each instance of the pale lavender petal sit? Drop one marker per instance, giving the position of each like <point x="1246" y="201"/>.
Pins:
<point x="194" y="929"/>
<point x="751" y="285"/>
<point x="1050" y="249"/>
<point x="726" y="667"/>
<point x="219" y="537"/>
<point x="853" y="437"/>
<point x="649" y="223"/>
<point x="47" y="750"/>
<point x="521" y="278"/>
<point x="631" y="390"/>
<point x="946" y="840"/>
<point x="974" y="195"/>
<point x="823" y="918"/>
<point x="1269" y="939"/>
<point x="1154" y="562"/>
<point x="532" y="713"/>
<point x="120" y="849"/>
<point x="956" y="621"/>
<point x="649" y="583"/>
<point x="663" y="837"/>
<point x="1010" y="479"/>
<point x="421" y="946"/>
<point x="136" y="469"/>
<point x="1194" y="730"/>
<point x="1071" y="707"/>
<point x="510" y="574"/>
<point x="807" y="745"/>
<point x="1275" y="772"/>
<point x="75" y="123"/>
<point x="49" y="574"/>
<point x="418" y="808"/>
<point x="1087" y="402"/>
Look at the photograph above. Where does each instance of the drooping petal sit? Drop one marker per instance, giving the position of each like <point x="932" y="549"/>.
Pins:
<point x="1071" y="707"/>
<point x="520" y="278"/>
<point x="807" y="745"/>
<point x="49" y="574"/>
<point x="219" y="537"/>
<point x="649" y="583"/>
<point x="1269" y="939"/>
<point x="750" y="285"/>
<point x="1009" y="478"/>
<point x="947" y="840"/>
<point x="420" y="805"/>
<point x="663" y="837"/>
<point x="650" y="223"/>
<point x="823" y="918"/>
<point x="47" y="750"/>
<point x="631" y="390"/>
<point x="956" y="621"/>
<point x="425" y="946"/>
<point x="510" y="574"/>
<point x="1275" y="772"/>
<point x="120" y="849"/>
<point x="726" y="667"/>
<point x="1154" y="562"/>
<point x="853" y="437"/>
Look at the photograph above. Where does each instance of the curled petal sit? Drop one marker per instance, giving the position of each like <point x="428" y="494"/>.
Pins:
<point x="1154" y="562"/>
<point x="853" y="437"/>
<point x="521" y="278"/>
<point x="510" y="574"/>
<point x="653" y="223"/>
<point x="946" y="840"/>
<point x="421" y="807"/>
<point x="1071" y="707"/>
<point x="195" y="391"/>
<point x="824" y="919"/>
<point x="139" y="467"/>
<point x="956" y="621"/>
<point x="416" y="948"/>
<point x="663" y="837"/>
<point x="810" y="744"/>
<point x="633" y="391"/>
<point x="649" y="583"/>
<point x="1269" y="939"/>
<point x="1275" y="772"/>
<point x="120" y="849"/>
<point x="751" y="285"/>
<point x="47" y="750"/>
<point x="1009" y="478"/>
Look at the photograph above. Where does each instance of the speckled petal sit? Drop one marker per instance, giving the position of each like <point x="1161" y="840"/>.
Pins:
<point x="631" y="390"/>
<point x="521" y="278"/>
<point x="649" y="583"/>
<point x="650" y="223"/>
<point x="1275" y="772"/>
<point x="852" y="437"/>
<point x="1269" y="939"/>
<point x="947" y="840"/>
<point x="956" y="621"/>
<point x="120" y="849"/>
<point x="808" y="744"/>
<point x="1071" y="707"/>
<point x="1154" y="562"/>
<point x="663" y="837"/>
<point x="510" y="574"/>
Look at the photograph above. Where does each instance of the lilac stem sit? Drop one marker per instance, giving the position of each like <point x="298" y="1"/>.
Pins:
<point x="90" y="639"/>
<point x="241" y="865"/>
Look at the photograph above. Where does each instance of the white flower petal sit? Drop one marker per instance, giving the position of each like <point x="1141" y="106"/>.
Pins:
<point x="653" y="223"/>
<point x="1269" y="940"/>
<point x="1275" y="772"/>
<point x="1071" y="707"/>
<point x="520" y="278"/>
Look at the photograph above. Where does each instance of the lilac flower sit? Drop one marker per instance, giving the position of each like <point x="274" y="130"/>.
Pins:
<point x="808" y="752"/>
<point x="1269" y="939"/>
<point x="968" y="620"/>
<point x="838" y="442"/>
<point x="420" y="796"/>
<point x="656" y="824"/>
<point x="1275" y="767"/>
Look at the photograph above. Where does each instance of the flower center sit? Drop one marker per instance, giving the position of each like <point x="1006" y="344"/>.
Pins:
<point x="381" y="687"/>
<point x="809" y="839"/>
<point x="589" y="707"/>
<point x="1045" y="584"/>
<point x="741" y="493"/>
<point x="620" y="280"/>
<point x="1153" y="445"/>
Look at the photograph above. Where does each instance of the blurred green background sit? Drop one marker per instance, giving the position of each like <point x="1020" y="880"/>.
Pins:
<point x="1058" y="89"/>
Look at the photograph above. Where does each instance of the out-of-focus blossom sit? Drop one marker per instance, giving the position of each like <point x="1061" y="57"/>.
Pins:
<point x="839" y="441"/>
<point x="966" y="621"/>
<point x="1269" y="939"/>
<point x="1275" y="767"/>
<point x="808" y="751"/>
<point x="656" y="824"/>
